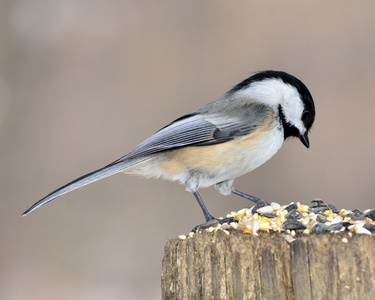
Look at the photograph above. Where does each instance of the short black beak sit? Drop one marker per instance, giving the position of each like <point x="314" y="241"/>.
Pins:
<point x="305" y="140"/>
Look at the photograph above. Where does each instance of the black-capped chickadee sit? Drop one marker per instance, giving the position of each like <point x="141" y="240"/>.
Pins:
<point x="220" y="141"/>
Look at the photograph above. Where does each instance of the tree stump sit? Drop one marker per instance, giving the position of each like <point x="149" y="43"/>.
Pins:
<point x="218" y="265"/>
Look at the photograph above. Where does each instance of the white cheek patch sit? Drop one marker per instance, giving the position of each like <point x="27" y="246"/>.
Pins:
<point x="275" y="92"/>
<point x="293" y="108"/>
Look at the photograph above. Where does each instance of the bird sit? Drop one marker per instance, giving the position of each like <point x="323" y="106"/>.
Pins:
<point x="219" y="141"/>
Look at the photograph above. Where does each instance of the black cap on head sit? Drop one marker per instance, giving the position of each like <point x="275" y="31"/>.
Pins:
<point x="308" y="115"/>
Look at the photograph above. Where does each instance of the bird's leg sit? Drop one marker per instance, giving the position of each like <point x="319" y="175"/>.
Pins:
<point x="249" y="197"/>
<point x="206" y="213"/>
<point x="210" y="219"/>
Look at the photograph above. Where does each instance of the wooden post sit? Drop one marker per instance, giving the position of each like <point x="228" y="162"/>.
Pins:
<point x="217" y="265"/>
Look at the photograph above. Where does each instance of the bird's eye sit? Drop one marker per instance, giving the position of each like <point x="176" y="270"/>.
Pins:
<point x="306" y="115"/>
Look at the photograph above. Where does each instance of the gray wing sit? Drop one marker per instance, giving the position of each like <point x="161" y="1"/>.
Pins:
<point x="200" y="129"/>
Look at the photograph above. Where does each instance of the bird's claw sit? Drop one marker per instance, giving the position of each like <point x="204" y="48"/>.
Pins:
<point x="214" y="223"/>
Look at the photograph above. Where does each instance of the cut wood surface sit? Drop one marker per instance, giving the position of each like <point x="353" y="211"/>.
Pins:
<point x="217" y="265"/>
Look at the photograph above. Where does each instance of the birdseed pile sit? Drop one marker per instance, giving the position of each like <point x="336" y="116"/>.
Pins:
<point x="317" y="217"/>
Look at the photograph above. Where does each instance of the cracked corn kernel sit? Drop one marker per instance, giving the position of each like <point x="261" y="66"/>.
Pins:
<point x="345" y="212"/>
<point x="241" y="212"/>
<point x="303" y="209"/>
<point x="256" y="216"/>
<point x="265" y="226"/>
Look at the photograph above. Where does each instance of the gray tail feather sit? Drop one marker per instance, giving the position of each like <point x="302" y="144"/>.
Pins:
<point x="104" y="172"/>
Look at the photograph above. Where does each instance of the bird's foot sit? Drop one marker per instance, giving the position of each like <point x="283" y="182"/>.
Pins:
<point x="256" y="200"/>
<point x="213" y="223"/>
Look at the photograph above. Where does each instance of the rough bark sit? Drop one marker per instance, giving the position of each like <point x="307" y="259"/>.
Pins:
<point x="242" y="266"/>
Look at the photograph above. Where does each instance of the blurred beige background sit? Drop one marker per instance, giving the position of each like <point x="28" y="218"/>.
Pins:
<point x="83" y="82"/>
